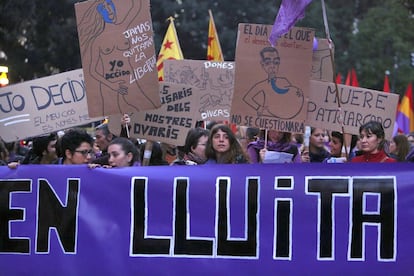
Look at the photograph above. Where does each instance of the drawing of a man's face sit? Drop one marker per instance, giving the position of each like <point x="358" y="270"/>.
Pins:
<point x="108" y="11"/>
<point x="270" y="61"/>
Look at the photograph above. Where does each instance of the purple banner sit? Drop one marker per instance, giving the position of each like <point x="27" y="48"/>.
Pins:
<point x="207" y="220"/>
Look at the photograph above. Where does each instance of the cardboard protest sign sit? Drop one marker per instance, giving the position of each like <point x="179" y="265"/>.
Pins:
<point x="322" y="68"/>
<point x="43" y="105"/>
<point x="272" y="83"/>
<point x="358" y="106"/>
<point x="169" y="123"/>
<point x="118" y="56"/>
<point x="214" y="80"/>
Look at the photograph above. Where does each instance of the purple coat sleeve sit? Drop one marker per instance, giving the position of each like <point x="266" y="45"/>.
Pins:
<point x="253" y="154"/>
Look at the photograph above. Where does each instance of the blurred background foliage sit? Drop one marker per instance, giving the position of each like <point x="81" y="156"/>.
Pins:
<point x="39" y="38"/>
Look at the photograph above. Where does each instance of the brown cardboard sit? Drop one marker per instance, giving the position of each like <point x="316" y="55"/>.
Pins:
<point x="214" y="80"/>
<point x="169" y="123"/>
<point x="118" y="56"/>
<point x="266" y="99"/>
<point x="357" y="106"/>
<point x="322" y="68"/>
<point x="43" y="105"/>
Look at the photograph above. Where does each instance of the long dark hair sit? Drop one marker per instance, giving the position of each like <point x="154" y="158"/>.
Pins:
<point x="235" y="154"/>
<point x="402" y="145"/>
<point x="191" y="141"/>
<point x="128" y="147"/>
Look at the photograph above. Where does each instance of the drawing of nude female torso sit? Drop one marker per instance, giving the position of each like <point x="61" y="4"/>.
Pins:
<point x="110" y="67"/>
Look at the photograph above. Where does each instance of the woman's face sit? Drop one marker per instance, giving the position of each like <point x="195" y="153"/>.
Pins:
<point x="393" y="147"/>
<point x="118" y="157"/>
<point x="336" y="146"/>
<point x="51" y="150"/>
<point x="107" y="10"/>
<point x="275" y="135"/>
<point x="221" y="142"/>
<point x="199" y="150"/>
<point x="369" y="142"/>
<point x="81" y="155"/>
<point x="317" y="138"/>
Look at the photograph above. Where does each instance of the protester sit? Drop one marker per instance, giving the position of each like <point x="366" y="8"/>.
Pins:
<point x="399" y="147"/>
<point x="298" y="139"/>
<point x="275" y="141"/>
<point x="156" y="155"/>
<point x="246" y="135"/>
<point x="43" y="150"/>
<point x="355" y="148"/>
<point x="223" y="148"/>
<point x="76" y="146"/>
<point x="193" y="151"/>
<point x="4" y="154"/>
<point x="372" y="139"/>
<point x="123" y="153"/>
<point x="169" y="152"/>
<point x="336" y="143"/>
<point x="410" y="138"/>
<point x="102" y="139"/>
<point x="16" y="151"/>
<point x="317" y="151"/>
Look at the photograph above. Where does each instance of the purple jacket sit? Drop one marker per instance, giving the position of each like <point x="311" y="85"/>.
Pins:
<point x="254" y="148"/>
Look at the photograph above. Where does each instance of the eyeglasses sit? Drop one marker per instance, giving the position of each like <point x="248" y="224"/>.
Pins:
<point x="268" y="62"/>
<point x="85" y="152"/>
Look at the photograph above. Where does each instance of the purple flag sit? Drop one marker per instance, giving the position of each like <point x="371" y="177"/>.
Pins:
<point x="290" y="11"/>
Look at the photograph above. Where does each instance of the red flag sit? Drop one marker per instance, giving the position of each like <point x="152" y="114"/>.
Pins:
<point x="170" y="49"/>
<point x="354" y="80"/>
<point x="338" y="78"/>
<point x="213" y="47"/>
<point x="348" y="78"/>
<point x="386" y="84"/>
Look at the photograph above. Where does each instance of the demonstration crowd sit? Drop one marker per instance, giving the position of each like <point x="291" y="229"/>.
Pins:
<point x="216" y="143"/>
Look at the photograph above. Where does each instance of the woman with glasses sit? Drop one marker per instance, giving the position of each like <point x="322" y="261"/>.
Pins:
<point x="193" y="151"/>
<point x="76" y="147"/>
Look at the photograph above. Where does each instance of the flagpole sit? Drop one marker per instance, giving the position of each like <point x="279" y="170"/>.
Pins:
<point x="328" y="36"/>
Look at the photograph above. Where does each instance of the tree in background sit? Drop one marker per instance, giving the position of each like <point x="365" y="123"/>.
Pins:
<point x="383" y="41"/>
<point x="40" y="37"/>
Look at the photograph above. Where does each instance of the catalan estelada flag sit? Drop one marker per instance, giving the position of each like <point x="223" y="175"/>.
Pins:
<point x="405" y="114"/>
<point x="213" y="46"/>
<point x="170" y="49"/>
